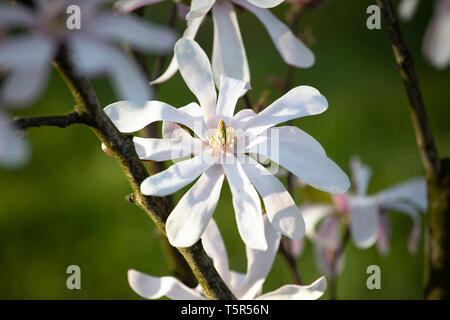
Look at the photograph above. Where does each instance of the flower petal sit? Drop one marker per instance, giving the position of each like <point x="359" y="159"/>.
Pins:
<point x="126" y="6"/>
<point x="189" y="33"/>
<point x="304" y="158"/>
<point x="259" y="263"/>
<point x="230" y="90"/>
<point x="175" y="177"/>
<point x="199" y="8"/>
<point x="196" y="72"/>
<point x="295" y="292"/>
<point x="407" y="9"/>
<point x="138" y="33"/>
<point x="228" y="57"/>
<point x="154" y="287"/>
<point x="293" y="51"/>
<point x="26" y="52"/>
<point x="312" y="214"/>
<point x="15" y="15"/>
<point x="129" y="118"/>
<point x="189" y="219"/>
<point x="215" y="248"/>
<point x="364" y="223"/>
<point x="13" y="150"/>
<point x="247" y="206"/>
<point x="436" y="44"/>
<point x="280" y="207"/>
<point x="384" y="235"/>
<point x="413" y="191"/>
<point x="299" y="102"/>
<point x="266" y="3"/>
<point x="152" y="149"/>
<point x="326" y="244"/>
<point x="361" y="174"/>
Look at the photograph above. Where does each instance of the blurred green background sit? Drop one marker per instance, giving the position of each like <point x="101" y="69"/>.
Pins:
<point x="67" y="205"/>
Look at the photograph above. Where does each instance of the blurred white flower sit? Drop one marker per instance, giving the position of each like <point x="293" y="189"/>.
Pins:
<point x="244" y="286"/>
<point x="220" y="149"/>
<point x="229" y="57"/>
<point x="13" y="149"/>
<point x="369" y="223"/>
<point x="436" y="43"/>
<point x="27" y="56"/>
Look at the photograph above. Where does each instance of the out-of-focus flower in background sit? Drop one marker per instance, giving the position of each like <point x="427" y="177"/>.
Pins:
<point x="229" y="57"/>
<point x="220" y="146"/>
<point x="244" y="286"/>
<point x="13" y="149"/>
<point x="436" y="43"/>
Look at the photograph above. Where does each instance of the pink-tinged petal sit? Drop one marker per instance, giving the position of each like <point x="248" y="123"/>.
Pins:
<point x="436" y="45"/>
<point x="295" y="292"/>
<point x="196" y="72"/>
<point x="326" y="243"/>
<point x="407" y="9"/>
<point x="138" y="33"/>
<point x="414" y="236"/>
<point x="26" y="52"/>
<point x="293" y="51"/>
<point x="215" y="248"/>
<point x="189" y="33"/>
<point x="228" y="57"/>
<point x="341" y="202"/>
<point x="15" y="15"/>
<point x="175" y="177"/>
<point x="361" y="174"/>
<point x="384" y="235"/>
<point x="189" y="219"/>
<point x="129" y="118"/>
<point x="229" y="92"/>
<point x="14" y="151"/>
<point x="281" y="210"/>
<point x="413" y="191"/>
<point x="364" y="221"/>
<point x="199" y="8"/>
<point x="93" y="57"/>
<point x="247" y="206"/>
<point x="265" y="3"/>
<point x="259" y="263"/>
<point x="152" y="149"/>
<point x="296" y="247"/>
<point x="126" y="6"/>
<point x="312" y="214"/>
<point x="304" y="158"/>
<point x="298" y="102"/>
<point x="154" y="287"/>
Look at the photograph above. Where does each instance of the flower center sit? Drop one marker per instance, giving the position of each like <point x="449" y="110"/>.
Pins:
<point x="223" y="137"/>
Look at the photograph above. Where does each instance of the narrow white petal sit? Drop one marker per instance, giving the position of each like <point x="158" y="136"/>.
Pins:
<point x="228" y="58"/>
<point x="259" y="263"/>
<point x="265" y="3"/>
<point x="199" y="8"/>
<point x="26" y="51"/>
<point x="154" y="287"/>
<point x="139" y="34"/>
<point x="312" y="214"/>
<point x="413" y="191"/>
<point x="280" y="207"/>
<point x="196" y="72"/>
<point x="215" y="248"/>
<point x="171" y="130"/>
<point x="326" y="242"/>
<point x="436" y="45"/>
<point x="152" y="149"/>
<point x="361" y="175"/>
<point x="247" y="206"/>
<point x="298" y="102"/>
<point x="14" y="151"/>
<point x="407" y="9"/>
<point x="363" y="221"/>
<point x="305" y="159"/>
<point x="293" y="51"/>
<point x="230" y="90"/>
<point x="126" y="6"/>
<point x="189" y="219"/>
<point x="129" y="118"/>
<point x="295" y="292"/>
<point x="189" y="33"/>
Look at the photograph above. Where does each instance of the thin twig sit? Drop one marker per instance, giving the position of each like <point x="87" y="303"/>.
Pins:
<point x="61" y="121"/>
<point x="290" y="260"/>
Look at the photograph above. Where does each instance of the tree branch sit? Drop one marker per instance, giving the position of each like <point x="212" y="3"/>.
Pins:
<point x="122" y="149"/>
<point x="437" y="238"/>
<point x="61" y="121"/>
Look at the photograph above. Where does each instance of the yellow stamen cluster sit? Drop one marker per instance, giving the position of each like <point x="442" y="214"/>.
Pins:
<point x="224" y="137"/>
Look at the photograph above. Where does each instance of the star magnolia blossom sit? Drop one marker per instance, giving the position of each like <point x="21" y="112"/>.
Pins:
<point x="27" y="57"/>
<point x="244" y="286"/>
<point x="369" y="223"/>
<point x="220" y="149"/>
<point x="436" y="44"/>
<point x="229" y="57"/>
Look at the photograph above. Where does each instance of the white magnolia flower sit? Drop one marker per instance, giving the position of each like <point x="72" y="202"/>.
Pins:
<point x="436" y="44"/>
<point x="229" y="57"/>
<point x="244" y="286"/>
<point x="27" y="56"/>
<point x="13" y="149"/>
<point x="220" y="149"/>
<point x="369" y="223"/>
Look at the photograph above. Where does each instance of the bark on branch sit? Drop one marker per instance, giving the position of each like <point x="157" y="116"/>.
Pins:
<point x="437" y="239"/>
<point x="61" y="121"/>
<point x="122" y="148"/>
